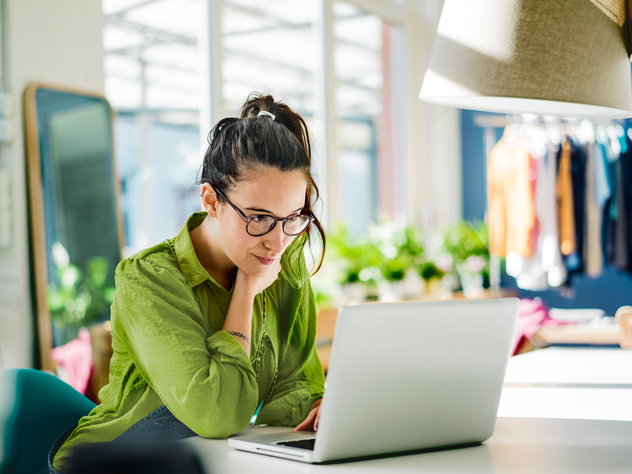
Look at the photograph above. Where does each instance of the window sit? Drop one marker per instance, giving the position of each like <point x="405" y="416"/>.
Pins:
<point x="153" y="82"/>
<point x="269" y="48"/>
<point x="366" y="67"/>
<point x="155" y="79"/>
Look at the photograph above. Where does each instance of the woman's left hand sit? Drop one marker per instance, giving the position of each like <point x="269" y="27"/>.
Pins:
<point x="311" y="422"/>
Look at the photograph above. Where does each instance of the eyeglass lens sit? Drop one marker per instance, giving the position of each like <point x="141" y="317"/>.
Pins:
<point x="263" y="224"/>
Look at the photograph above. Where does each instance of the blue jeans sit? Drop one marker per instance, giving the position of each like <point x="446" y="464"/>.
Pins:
<point x="159" y="426"/>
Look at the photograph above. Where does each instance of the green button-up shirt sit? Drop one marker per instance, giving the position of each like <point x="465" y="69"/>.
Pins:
<point x="169" y="348"/>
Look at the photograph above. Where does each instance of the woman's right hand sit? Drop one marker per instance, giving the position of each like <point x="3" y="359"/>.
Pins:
<point x="255" y="285"/>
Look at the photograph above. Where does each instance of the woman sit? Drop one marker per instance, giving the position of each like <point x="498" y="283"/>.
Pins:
<point x="220" y="321"/>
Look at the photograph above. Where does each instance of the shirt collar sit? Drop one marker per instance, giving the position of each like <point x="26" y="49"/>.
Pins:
<point x="191" y="267"/>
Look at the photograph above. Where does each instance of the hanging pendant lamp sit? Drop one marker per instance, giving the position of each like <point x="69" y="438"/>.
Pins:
<point x="546" y="57"/>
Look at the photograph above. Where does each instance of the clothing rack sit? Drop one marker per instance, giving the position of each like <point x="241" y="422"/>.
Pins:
<point x="580" y="130"/>
<point x="582" y="134"/>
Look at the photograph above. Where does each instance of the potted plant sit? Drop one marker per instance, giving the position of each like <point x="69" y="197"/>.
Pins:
<point x="400" y="249"/>
<point x="467" y="243"/>
<point x="77" y="298"/>
<point x="431" y="275"/>
<point x="357" y="262"/>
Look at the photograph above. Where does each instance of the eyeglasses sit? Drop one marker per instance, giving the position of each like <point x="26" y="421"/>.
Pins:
<point x="261" y="224"/>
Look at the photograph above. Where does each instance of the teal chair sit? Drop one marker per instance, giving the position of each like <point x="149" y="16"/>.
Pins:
<point x="35" y="408"/>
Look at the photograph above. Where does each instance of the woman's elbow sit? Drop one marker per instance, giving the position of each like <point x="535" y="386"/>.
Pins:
<point x="224" y="419"/>
<point x="218" y="408"/>
<point x="221" y="429"/>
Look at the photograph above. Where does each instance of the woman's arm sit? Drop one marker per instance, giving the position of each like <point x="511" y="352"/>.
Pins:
<point x="207" y="382"/>
<point x="239" y="317"/>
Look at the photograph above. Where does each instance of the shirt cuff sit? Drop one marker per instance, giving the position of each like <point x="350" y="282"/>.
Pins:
<point x="228" y="349"/>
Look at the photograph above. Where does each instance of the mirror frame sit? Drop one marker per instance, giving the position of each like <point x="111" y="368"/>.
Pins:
<point x="37" y="219"/>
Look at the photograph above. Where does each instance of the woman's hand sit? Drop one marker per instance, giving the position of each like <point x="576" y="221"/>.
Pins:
<point x="255" y="285"/>
<point x="238" y="320"/>
<point x="311" y="422"/>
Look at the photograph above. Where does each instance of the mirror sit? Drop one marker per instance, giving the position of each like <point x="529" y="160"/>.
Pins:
<point x="76" y="228"/>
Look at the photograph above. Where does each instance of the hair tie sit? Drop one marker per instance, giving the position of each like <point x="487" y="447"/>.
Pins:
<point x="266" y="113"/>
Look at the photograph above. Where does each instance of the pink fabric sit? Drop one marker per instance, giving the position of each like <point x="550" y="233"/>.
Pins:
<point x="533" y="315"/>
<point x="76" y="358"/>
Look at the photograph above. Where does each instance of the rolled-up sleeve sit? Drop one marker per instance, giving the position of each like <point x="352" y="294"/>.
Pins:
<point x="207" y="382"/>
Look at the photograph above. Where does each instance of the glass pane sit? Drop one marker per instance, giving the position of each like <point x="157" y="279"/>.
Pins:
<point x="152" y="80"/>
<point x="368" y="161"/>
<point x="269" y="49"/>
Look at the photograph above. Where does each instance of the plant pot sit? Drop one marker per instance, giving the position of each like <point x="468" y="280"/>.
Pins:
<point x="355" y="292"/>
<point x="391" y="290"/>
<point x="432" y="287"/>
<point x="472" y="284"/>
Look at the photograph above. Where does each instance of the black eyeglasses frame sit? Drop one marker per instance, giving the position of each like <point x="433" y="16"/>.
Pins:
<point x="247" y="219"/>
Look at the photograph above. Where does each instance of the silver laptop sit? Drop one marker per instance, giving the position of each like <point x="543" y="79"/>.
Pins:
<point x="405" y="377"/>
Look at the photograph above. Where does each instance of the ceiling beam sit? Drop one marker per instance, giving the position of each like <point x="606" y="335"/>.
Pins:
<point x="123" y="11"/>
<point x="158" y="36"/>
<point x="155" y="35"/>
<point x="303" y="73"/>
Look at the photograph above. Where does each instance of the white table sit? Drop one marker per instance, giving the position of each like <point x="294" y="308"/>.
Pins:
<point x="593" y="384"/>
<point x="548" y="423"/>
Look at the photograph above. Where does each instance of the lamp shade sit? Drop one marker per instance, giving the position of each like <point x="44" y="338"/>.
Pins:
<point x="563" y="58"/>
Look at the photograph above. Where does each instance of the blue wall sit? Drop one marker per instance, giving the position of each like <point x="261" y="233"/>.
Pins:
<point x="473" y="153"/>
<point x="608" y="292"/>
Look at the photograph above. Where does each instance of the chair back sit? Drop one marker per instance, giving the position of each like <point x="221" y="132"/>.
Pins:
<point x="35" y="408"/>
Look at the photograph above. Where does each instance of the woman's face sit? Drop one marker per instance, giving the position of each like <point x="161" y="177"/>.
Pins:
<point x="267" y="192"/>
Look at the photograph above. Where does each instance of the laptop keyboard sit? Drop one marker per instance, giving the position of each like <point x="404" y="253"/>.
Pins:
<point x="301" y="443"/>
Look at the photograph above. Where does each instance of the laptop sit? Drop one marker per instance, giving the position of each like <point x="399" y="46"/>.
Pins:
<point x="405" y="377"/>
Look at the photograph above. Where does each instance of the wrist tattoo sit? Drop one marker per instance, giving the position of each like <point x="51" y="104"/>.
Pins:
<point x="240" y="335"/>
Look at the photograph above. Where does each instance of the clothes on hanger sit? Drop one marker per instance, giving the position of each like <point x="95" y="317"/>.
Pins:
<point x="511" y="207"/>
<point x="564" y="194"/>
<point x="560" y="201"/>
<point x="592" y="225"/>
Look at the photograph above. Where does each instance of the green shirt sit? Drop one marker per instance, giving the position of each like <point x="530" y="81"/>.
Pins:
<point x="169" y="348"/>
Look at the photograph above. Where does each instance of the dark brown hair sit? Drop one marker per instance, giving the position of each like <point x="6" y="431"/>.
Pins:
<point x="239" y="145"/>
